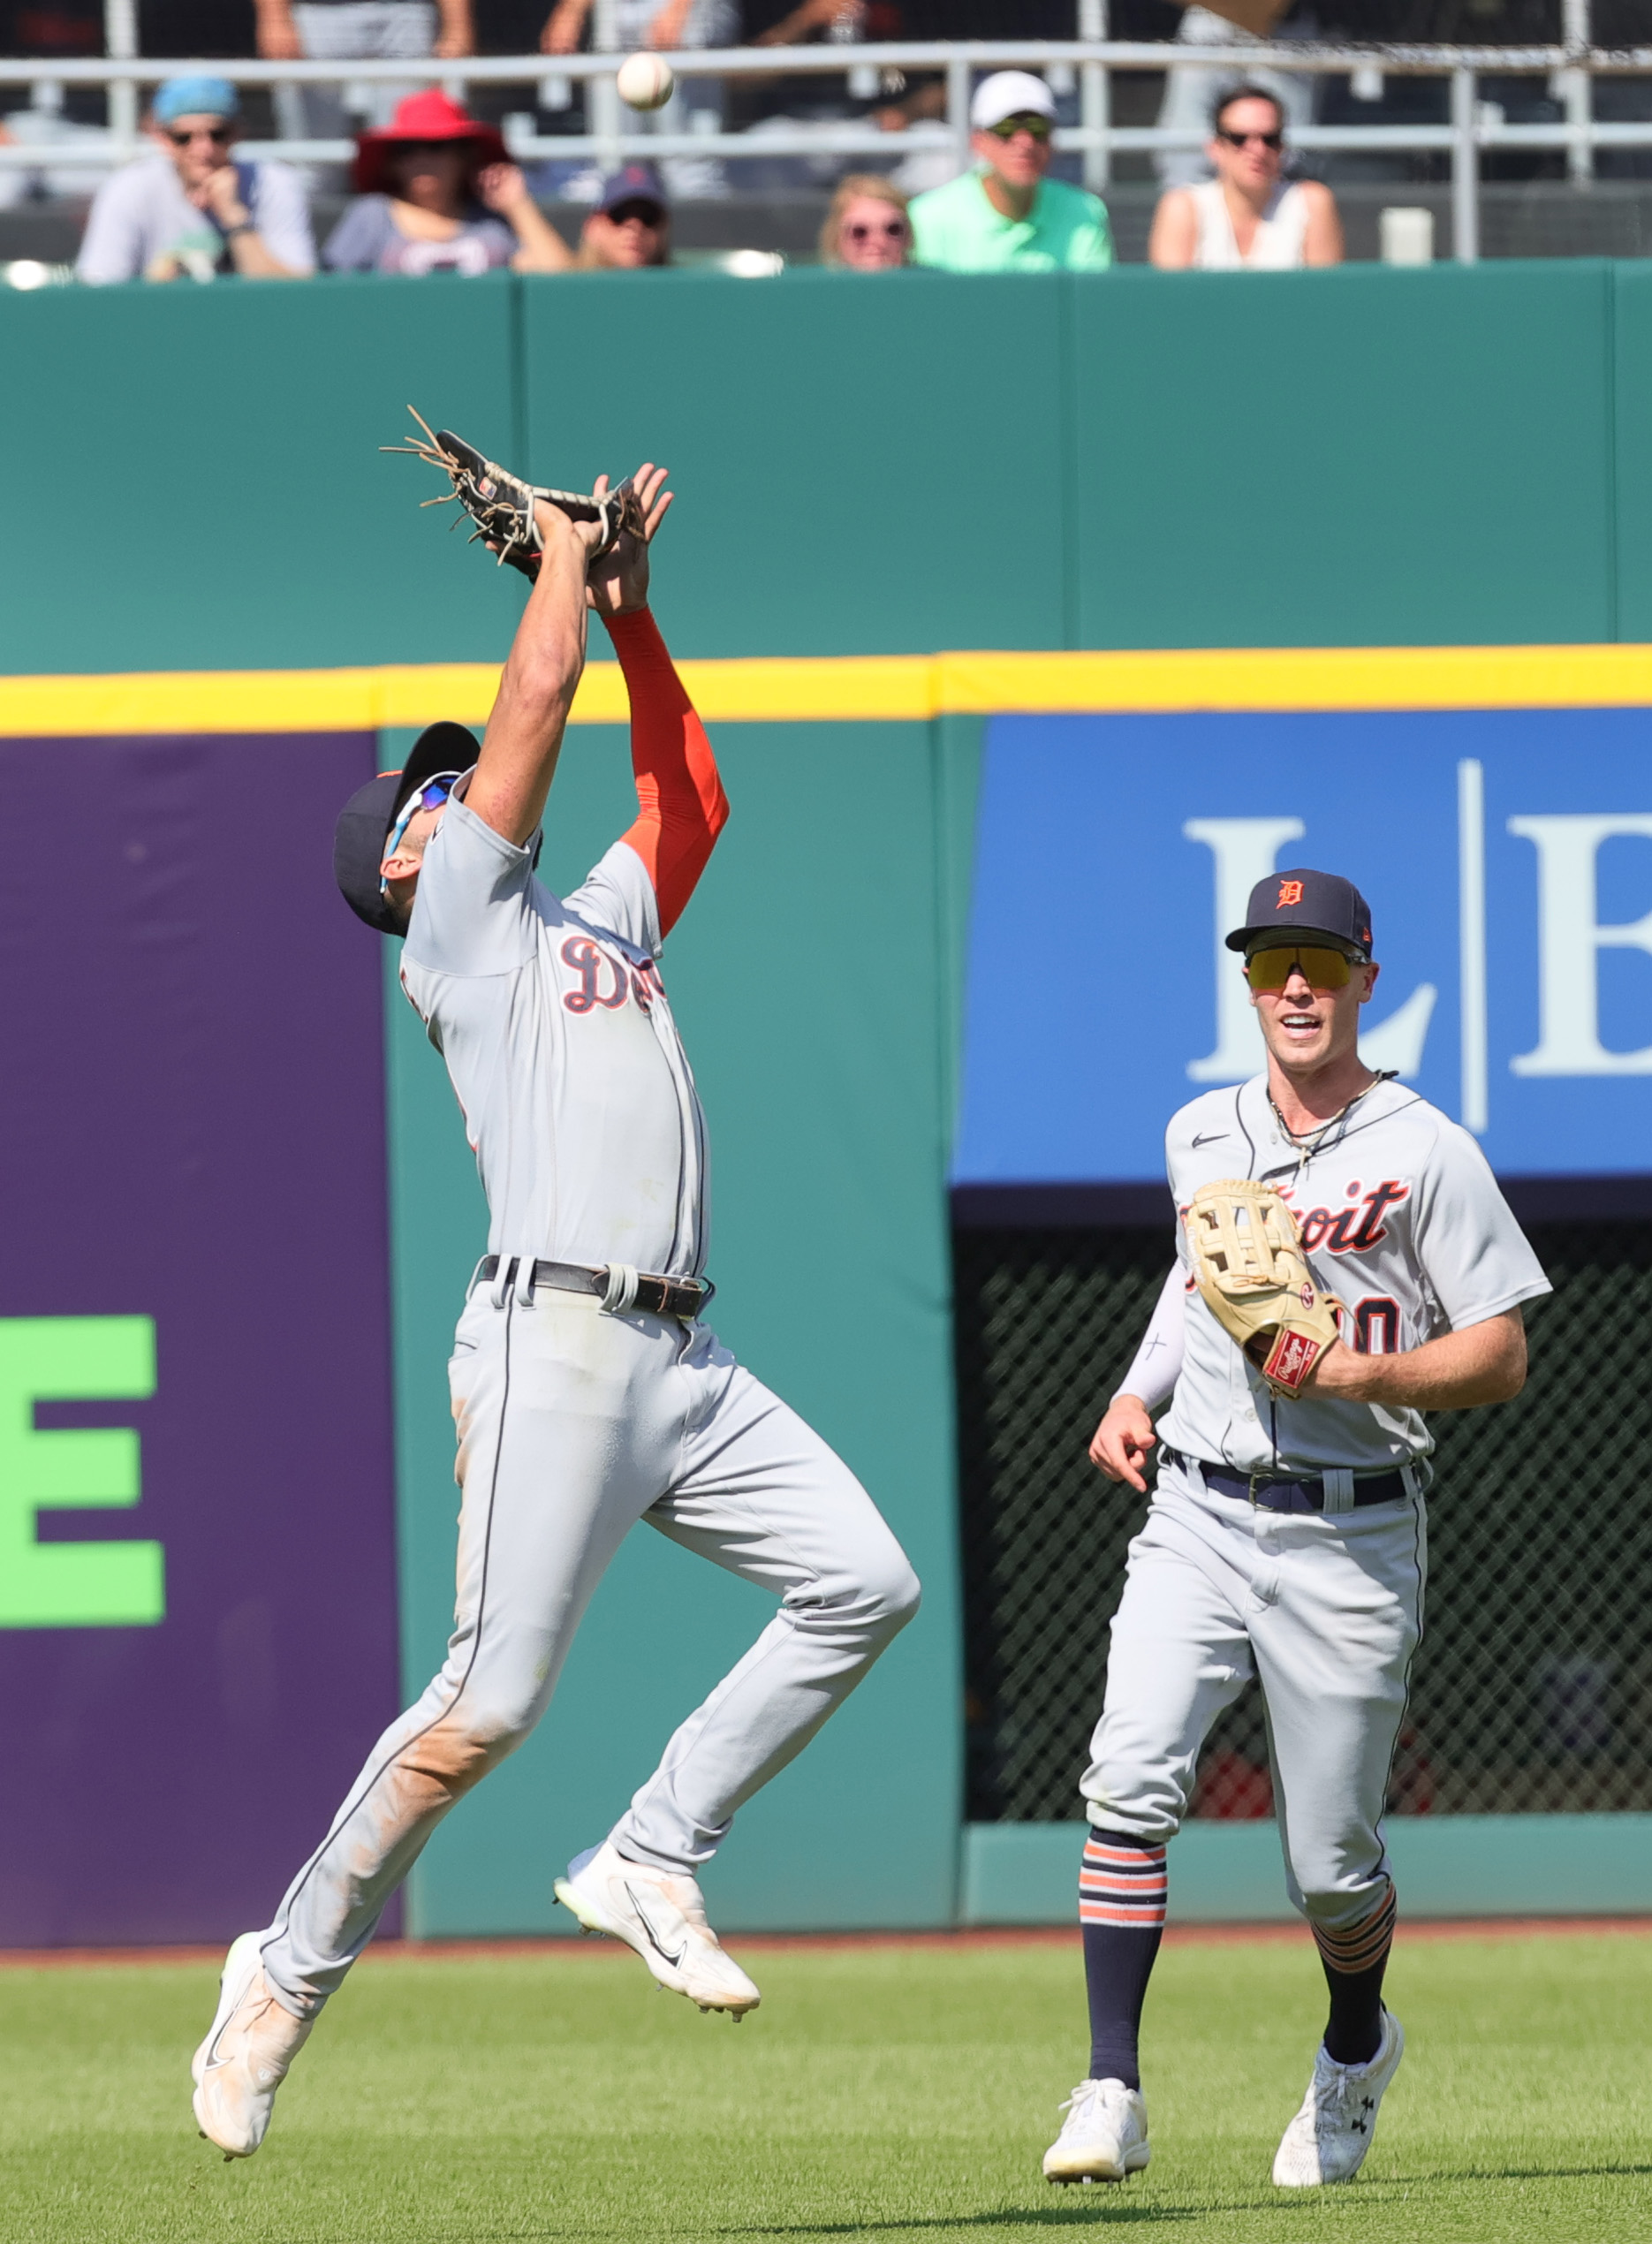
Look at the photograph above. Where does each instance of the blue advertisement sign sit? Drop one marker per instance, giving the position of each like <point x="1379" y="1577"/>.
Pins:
<point x="1507" y="858"/>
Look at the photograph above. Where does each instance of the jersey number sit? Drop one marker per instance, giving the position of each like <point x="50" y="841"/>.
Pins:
<point x="1376" y="1326"/>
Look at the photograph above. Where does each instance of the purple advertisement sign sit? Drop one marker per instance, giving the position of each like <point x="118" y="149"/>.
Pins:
<point x="197" y="1534"/>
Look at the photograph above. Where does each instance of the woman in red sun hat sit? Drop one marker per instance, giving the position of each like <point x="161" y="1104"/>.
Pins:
<point x="437" y="193"/>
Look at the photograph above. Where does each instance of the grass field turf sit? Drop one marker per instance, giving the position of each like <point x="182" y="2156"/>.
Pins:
<point x="888" y="2091"/>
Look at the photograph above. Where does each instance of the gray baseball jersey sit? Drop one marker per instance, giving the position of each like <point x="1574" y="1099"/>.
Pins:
<point x="579" y="1102"/>
<point x="575" y="1424"/>
<point x="1401" y="1219"/>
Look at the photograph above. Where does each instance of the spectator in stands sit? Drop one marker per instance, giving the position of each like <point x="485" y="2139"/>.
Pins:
<point x="191" y="208"/>
<point x="1247" y="218"/>
<point x="631" y="226"/>
<point x="355" y="31"/>
<point x="674" y="26"/>
<point x="437" y="193"/>
<point x="1005" y="216"/>
<point x="1192" y="89"/>
<point x="867" y="227"/>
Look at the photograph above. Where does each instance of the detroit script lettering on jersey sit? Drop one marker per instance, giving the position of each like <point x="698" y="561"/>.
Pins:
<point x="1352" y="1230"/>
<point x="606" y="979"/>
<point x="1401" y="1221"/>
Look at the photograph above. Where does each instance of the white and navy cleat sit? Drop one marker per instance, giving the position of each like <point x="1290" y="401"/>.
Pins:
<point x="661" y="1915"/>
<point x="1103" y="2137"/>
<point x="244" y="2060"/>
<point x="1329" y="2137"/>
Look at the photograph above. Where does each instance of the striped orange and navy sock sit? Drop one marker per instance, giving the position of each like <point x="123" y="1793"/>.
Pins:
<point x="1122" y="1888"/>
<point x="1355" y="1957"/>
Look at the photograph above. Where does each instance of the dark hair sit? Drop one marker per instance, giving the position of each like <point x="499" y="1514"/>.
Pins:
<point x="1245" y="94"/>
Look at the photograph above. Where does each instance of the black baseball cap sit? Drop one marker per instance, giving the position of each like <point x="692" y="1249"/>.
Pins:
<point x="365" y="822"/>
<point x="1307" y="903"/>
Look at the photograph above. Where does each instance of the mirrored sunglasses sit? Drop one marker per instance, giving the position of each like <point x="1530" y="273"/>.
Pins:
<point x="1321" y="967"/>
<point x="431" y="796"/>
<point x="1028" y="121"/>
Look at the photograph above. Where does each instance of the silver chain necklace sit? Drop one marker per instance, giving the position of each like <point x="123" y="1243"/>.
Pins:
<point x="1309" y="1142"/>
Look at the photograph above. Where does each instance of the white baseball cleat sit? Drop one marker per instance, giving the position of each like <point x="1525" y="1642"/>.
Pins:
<point x="1329" y="2137"/>
<point x="245" y="2057"/>
<point x="1103" y="2137"/>
<point x="661" y="1915"/>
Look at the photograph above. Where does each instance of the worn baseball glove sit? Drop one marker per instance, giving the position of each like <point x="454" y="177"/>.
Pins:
<point x="501" y="504"/>
<point x="1249" y="1264"/>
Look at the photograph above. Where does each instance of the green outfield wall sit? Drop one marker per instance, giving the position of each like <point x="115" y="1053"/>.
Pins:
<point x="864" y="465"/>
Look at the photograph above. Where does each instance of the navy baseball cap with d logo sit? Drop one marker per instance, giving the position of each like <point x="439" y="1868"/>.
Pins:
<point x="1302" y="902"/>
<point x="365" y="822"/>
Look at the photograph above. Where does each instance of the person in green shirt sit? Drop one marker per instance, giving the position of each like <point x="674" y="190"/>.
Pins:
<point x="1006" y="216"/>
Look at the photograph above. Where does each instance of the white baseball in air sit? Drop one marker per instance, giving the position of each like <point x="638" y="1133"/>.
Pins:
<point x="645" y="82"/>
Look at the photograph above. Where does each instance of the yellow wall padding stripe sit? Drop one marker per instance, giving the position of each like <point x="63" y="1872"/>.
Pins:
<point x="1308" y="677"/>
<point x="853" y="687"/>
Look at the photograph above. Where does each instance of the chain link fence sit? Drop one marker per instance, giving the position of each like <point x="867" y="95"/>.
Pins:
<point x="1533" y="1688"/>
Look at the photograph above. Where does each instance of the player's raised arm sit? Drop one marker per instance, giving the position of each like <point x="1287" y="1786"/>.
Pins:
<point x="523" y="736"/>
<point x="681" y="806"/>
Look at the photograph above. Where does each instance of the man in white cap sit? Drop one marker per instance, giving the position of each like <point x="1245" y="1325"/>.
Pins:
<point x="1005" y="216"/>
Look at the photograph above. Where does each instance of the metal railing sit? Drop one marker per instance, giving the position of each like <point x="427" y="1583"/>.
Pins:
<point x="1474" y="125"/>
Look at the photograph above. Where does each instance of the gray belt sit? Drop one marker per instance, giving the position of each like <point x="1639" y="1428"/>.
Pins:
<point x="1288" y="1492"/>
<point x="616" y="1285"/>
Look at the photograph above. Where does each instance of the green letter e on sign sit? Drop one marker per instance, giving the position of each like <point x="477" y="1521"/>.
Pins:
<point x="73" y="1585"/>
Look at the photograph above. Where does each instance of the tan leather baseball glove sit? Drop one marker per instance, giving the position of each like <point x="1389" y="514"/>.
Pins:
<point x="1250" y="1266"/>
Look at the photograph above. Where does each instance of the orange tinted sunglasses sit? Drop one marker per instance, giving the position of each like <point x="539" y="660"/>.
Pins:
<point x="1318" y="965"/>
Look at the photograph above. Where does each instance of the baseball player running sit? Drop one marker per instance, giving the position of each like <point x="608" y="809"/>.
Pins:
<point x="586" y="1392"/>
<point x="1286" y="1536"/>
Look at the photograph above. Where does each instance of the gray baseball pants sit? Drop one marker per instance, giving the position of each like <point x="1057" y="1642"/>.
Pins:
<point x="574" y="1424"/>
<point x="1327" y="1610"/>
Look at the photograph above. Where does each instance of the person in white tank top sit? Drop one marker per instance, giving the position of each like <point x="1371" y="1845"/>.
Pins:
<point x="1247" y="219"/>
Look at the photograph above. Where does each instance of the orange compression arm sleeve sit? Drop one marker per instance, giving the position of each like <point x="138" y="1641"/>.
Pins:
<point x="681" y="806"/>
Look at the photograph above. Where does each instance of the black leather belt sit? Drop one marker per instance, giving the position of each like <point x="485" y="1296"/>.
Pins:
<point x="683" y="1297"/>
<point x="1276" y="1492"/>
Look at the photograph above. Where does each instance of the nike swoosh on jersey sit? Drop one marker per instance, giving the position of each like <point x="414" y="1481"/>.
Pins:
<point x="648" y="1926"/>
<point x="1210" y="1137"/>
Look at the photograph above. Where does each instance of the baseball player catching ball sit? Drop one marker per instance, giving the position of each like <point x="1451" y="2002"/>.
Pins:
<point x="588" y="1393"/>
<point x="1286" y="1536"/>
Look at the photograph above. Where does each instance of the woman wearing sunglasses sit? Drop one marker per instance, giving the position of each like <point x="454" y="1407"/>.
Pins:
<point x="190" y="210"/>
<point x="1248" y="218"/>
<point x="867" y="228"/>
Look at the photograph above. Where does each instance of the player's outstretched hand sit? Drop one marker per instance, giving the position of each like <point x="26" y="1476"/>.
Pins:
<point x="1122" y="1441"/>
<point x="620" y="582"/>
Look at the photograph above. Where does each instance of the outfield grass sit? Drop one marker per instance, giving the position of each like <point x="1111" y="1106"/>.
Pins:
<point x="892" y="2092"/>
